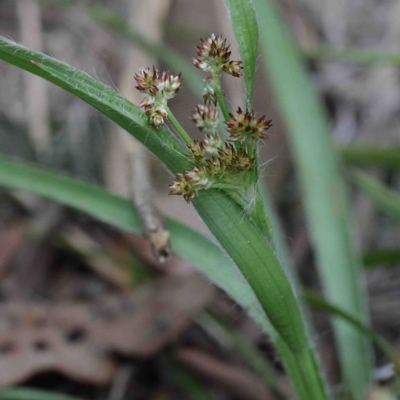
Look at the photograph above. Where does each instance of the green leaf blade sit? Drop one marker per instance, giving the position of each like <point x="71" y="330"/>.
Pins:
<point x="245" y="26"/>
<point x="323" y="190"/>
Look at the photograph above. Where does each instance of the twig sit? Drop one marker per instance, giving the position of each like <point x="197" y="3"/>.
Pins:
<point x="29" y="15"/>
<point x="142" y="196"/>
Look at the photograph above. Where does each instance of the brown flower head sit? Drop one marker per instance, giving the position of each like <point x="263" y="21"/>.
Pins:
<point x="159" y="90"/>
<point x="205" y="118"/>
<point x="244" y="127"/>
<point x="214" y="56"/>
<point x="197" y="150"/>
<point x="183" y="186"/>
<point x="235" y="160"/>
<point x="212" y="143"/>
<point x="149" y="82"/>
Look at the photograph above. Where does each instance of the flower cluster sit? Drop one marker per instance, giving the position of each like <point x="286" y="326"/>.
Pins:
<point x="244" y="127"/>
<point x="214" y="56"/>
<point x="216" y="171"/>
<point x="206" y="118"/>
<point x="218" y="162"/>
<point x="159" y="90"/>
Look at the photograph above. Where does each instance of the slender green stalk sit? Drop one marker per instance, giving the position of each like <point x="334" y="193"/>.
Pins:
<point x="178" y="127"/>
<point x="222" y="103"/>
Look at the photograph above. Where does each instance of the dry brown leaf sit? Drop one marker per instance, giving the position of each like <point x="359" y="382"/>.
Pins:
<point x="77" y="339"/>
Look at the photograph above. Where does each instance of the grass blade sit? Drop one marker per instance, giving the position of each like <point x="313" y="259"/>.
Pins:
<point x="319" y="303"/>
<point x="243" y="18"/>
<point x="323" y="190"/>
<point x="243" y="241"/>
<point x="32" y="394"/>
<point x="352" y="56"/>
<point x="388" y="257"/>
<point x="247" y="351"/>
<point x="372" y="156"/>
<point x="388" y="201"/>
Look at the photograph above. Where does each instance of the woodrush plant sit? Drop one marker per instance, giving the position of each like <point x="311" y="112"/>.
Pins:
<point x="219" y="181"/>
<point x="228" y="199"/>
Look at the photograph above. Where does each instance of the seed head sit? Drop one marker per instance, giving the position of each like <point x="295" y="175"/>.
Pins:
<point x="197" y="150"/>
<point x="233" y="68"/>
<point x="214" y="56"/>
<point x="205" y="118"/>
<point x="149" y="82"/>
<point x="159" y="90"/>
<point x="235" y="160"/>
<point x="182" y="185"/>
<point x="244" y="127"/>
<point x="212" y="143"/>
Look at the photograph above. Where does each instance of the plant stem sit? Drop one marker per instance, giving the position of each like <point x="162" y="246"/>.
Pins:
<point x="178" y="127"/>
<point x="221" y="102"/>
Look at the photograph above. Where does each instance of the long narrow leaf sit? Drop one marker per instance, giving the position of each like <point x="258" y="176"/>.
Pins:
<point x="388" y="201"/>
<point x="244" y="24"/>
<point x="388" y="257"/>
<point x="323" y="190"/>
<point x="352" y="56"/>
<point x="258" y="263"/>
<point x="372" y="156"/>
<point x="319" y="303"/>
